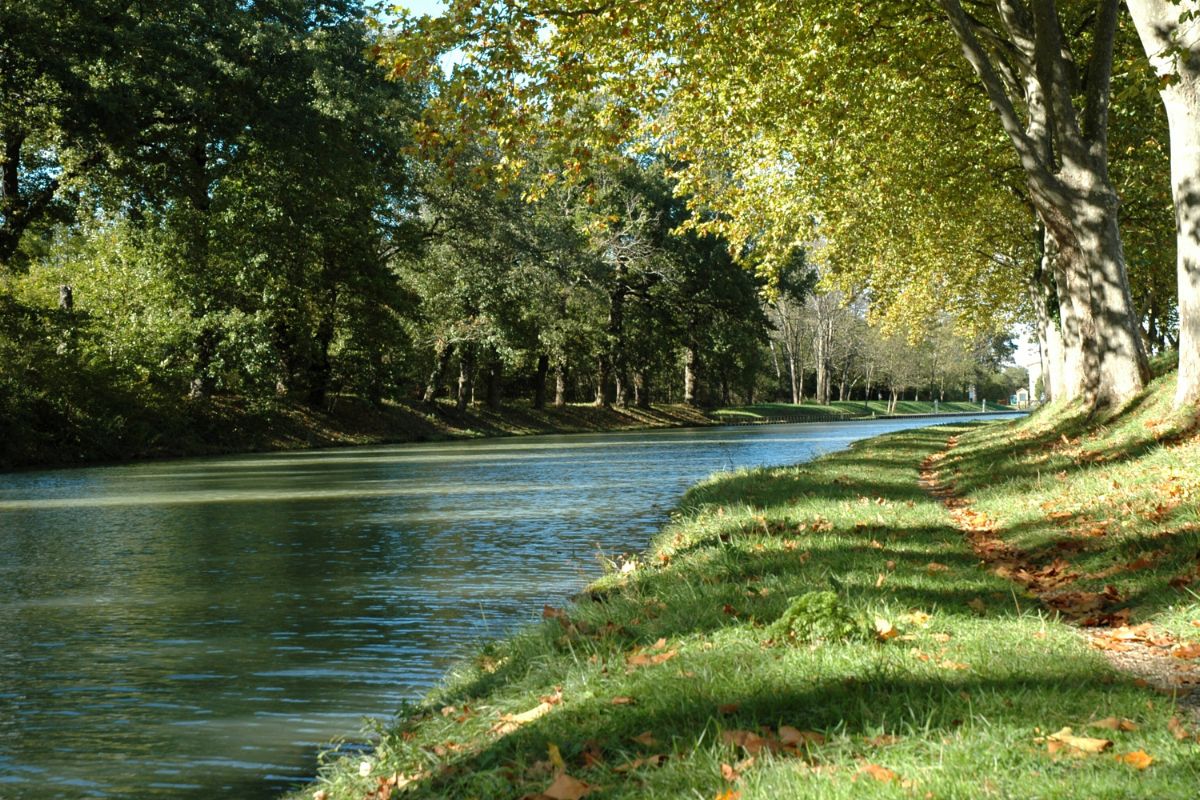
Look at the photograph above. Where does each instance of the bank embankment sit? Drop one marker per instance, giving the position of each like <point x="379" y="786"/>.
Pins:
<point x="945" y="612"/>
<point x="230" y="425"/>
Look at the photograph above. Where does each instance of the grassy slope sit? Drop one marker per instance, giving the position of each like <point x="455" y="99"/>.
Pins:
<point x="841" y="408"/>
<point x="965" y="694"/>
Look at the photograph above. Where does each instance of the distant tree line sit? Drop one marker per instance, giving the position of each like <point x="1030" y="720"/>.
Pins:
<point x="227" y="205"/>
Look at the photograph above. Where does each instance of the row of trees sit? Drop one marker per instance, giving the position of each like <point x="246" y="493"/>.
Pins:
<point x="861" y="130"/>
<point x="235" y="200"/>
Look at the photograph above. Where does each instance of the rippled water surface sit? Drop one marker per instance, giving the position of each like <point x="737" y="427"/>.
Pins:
<point x="200" y="627"/>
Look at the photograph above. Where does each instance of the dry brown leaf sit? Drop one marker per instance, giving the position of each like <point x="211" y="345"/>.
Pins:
<point x="885" y="630"/>
<point x="883" y="740"/>
<point x="934" y="566"/>
<point x="1189" y="651"/>
<point x="729" y="708"/>
<point x="752" y="743"/>
<point x="622" y="700"/>
<point x="940" y="637"/>
<point x="729" y="773"/>
<point x="1138" y="759"/>
<point x="794" y="737"/>
<point x="955" y="665"/>
<point x="646" y="738"/>
<point x="1115" y="724"/>
<point x="644" y="660"/>
<point x="882" y="774"/>
<point x="1178" y="729"/>
<point x="565" y="787"/>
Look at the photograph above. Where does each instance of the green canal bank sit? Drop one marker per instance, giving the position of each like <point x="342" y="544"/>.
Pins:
<point x="1000" y="610"/>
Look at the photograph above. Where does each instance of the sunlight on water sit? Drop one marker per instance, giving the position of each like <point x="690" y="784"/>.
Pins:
<point x="203" y="627"/>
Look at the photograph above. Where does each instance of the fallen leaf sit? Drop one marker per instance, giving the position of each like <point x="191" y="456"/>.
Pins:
<point x="915" y="618"/>
<point x="794" y="737"/>
<point x="565" y="787"/>
<point x="643" y="660"/>
<point x="555" y="756"/>
<point x="1138" y="759"/>
<point x="882" y="774"/>
<point x="728" y="794"/>
<point x="1189" y="651"/>
<point x="752" y="743"/>
<point x="1115" y="724"/>
<point x="934" y="566"/>
<point x="622" y="700"/>
<point x="940" y="637"/>
<point x="729" y="708"/>
<point x="1064" y="739"/>
<point x="883" y="740"/>
<point x="955" y="665"/>
<point x="1178" y="729"/>
<point x="885" y="630"/>
<point x="729" y="773"/>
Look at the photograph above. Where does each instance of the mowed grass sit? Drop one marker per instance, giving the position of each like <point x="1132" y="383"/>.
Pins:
<point x="649" y="684"/>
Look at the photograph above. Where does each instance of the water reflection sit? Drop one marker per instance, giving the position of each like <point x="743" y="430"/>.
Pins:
<point x="202" y="626"/>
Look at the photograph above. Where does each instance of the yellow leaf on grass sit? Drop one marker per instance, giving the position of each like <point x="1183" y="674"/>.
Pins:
<point x="885" y="630"/>
<point x="565" y="787"/>
<point x="1076" y="745"/>
<point x="556" y="759"/>
<point x="934" y="566"/>
<point x="915" y="618"/>
<point x="1138" y="759"/>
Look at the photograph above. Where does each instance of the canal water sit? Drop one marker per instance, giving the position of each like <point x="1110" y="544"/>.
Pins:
<point x="202" y="627"/>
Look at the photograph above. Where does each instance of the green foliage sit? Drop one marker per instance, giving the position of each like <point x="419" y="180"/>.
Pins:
<point x="820" y="616"/>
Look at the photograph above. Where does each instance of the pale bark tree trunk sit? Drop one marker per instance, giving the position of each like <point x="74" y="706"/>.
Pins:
<point x="1173" y="47"/>
<point x="560" y="385"/>
<point x="690" y="364"/>
<point x="466" y="377"/>
<point x="1064" y="153"/>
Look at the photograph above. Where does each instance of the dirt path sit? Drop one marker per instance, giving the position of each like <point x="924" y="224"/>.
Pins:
<point x="1143" y="651"/>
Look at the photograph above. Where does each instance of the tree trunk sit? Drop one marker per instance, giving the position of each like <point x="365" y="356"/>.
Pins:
<point x="690" y="364"/>
<point x="1063" y="149"/>
<point x="641" y="389"/>
<point x="797" y="379"/>
<point x="443" y="350"/>
<point x="466" y="376"/>
<point x="1173" y="47"/>
<point x="603" y="376"/>
<point x="560" y="385"/>
<point x="495" y="380"/>
<point x="322" y="370"/>
<point x="539" y="381"/>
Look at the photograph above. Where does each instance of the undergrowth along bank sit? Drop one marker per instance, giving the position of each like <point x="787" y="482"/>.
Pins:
<point x="828" y="630"/>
